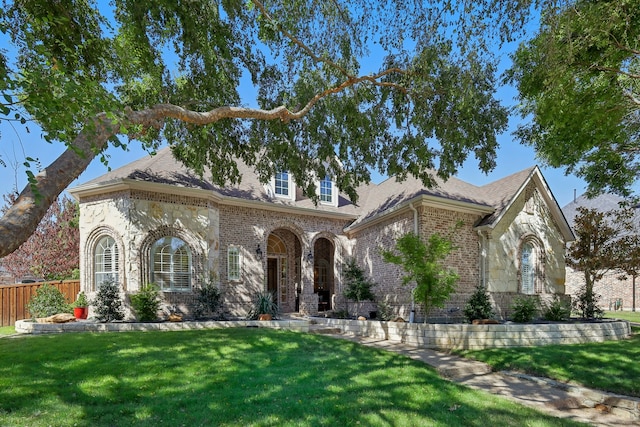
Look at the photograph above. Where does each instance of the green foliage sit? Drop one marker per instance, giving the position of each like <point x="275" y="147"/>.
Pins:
<point x="595" y="251"/>
<point x="47" y="301"/>
<point x="208" y="301"/>
<point x="81" y="301"/>
<point x="578" y="80"/>
<point x="86" y="73"/>
<point x="524" y="309"/>
<point x="146" y="302"/>
<point x="556" y="310"/>
<point x="479" y="305"/>
<point x="357" y="286"/>
<point x="108" y="302"/>
<point x="263" y="303"/>
<point x="423" y="264"/>
<point x="586" y="305"/>
<point x="385" y="311"/>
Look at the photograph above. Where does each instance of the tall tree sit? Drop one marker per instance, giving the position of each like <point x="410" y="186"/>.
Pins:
<point x="172" y="71"/>
<point x="423" y="264"/>
<point x="52" y="252"/>
<point x="579" y="82"/>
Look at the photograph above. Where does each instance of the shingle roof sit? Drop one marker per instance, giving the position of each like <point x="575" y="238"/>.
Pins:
<point x="374" y="200"/>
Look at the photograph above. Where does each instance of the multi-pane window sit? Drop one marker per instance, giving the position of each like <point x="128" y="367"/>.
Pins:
<point x="326" y="190"/>
<point x="233" y="263"/>
<point x="171" y="264"/>
<point x="527" y="269"/>
<point x="282" y="184"/>
<point x="105" y="261"/>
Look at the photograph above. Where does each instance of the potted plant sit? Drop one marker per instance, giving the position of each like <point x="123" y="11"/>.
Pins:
<point x="264" y="307"/>
<point x="81" y="306"/>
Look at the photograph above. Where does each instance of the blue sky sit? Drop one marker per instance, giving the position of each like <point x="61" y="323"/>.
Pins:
<point x="16" y="144"/>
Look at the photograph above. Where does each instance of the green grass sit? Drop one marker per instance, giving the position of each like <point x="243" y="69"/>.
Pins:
<point x="631" y="316"/>
<point x="233" y="377"/>
<point x="611" y="366"/>
<point x="7" y="330"/>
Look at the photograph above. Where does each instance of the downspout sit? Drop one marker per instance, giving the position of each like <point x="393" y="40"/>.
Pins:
<point x="483" y="257"/>
<point x="412" y="315"/>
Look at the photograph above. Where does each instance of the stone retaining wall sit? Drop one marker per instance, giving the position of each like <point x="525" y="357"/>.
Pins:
<point x="471" y="337"/>
<point x="30" y="327"/>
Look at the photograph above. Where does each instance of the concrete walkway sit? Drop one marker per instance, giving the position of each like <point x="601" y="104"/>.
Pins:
<point x="558" y="399"/>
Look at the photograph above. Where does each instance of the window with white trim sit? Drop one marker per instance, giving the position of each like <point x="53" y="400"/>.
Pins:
<point x="105" y="261"/>
<point x="282" y="185"/>
<point x="528" y="269"/>
<point x="326" y="190"/>
<point x="171" y="264"/>
<point x="234" y="266"/>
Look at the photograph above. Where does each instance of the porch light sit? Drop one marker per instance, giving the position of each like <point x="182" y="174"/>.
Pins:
<point x="309" y="256"/>
<point x="259" y="252"/>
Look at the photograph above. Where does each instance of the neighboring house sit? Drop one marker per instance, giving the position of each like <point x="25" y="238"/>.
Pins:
<point x="615" y="288"/>
<point x="155" y="221"/>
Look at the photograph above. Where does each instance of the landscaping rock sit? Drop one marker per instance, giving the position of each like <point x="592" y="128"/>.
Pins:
<point x="57" y="318"/>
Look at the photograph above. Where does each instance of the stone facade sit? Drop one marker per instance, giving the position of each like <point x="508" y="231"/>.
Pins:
<point x="246" y="240"/>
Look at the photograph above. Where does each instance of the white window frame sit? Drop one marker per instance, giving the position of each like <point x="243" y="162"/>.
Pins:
<point x="106" y="261"/>
<point x="528" y="274"/>
<point x="169" y="268"/>
<point x="276" y="184"/>
<point x="234" y="263"/>
<point x="332" y="200"/>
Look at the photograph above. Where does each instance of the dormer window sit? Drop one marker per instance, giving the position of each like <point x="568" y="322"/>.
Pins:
<point x="282" y="185"/>
<point x="326" y="190"/>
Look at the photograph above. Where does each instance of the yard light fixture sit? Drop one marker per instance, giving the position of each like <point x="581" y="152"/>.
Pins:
<point x="259" y="252"/>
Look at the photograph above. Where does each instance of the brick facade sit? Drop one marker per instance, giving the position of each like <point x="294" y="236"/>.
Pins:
<point x="297" y="250"/>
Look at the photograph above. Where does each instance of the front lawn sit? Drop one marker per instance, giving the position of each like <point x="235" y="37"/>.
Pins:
<point x="7" y="330"/>
<point x="233" y="377"/>
<point x="611" y="366"/>
<point x="631" y="316"/>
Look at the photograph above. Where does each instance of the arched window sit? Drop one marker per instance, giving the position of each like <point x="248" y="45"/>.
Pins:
<point x="105" y="261"/>
<point x="171" y="264"/>
<point x="528" y="269"/>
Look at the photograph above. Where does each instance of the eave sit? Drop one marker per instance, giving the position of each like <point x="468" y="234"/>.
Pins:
<point x="127" y="184"/>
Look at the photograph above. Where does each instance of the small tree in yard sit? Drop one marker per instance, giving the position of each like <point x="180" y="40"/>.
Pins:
<point x="357" y="285"/>
<point x="479" y="305"/>
<point x="594" y="253"/>
<point x="108" y="303"/>
<point x="423" y="264"/>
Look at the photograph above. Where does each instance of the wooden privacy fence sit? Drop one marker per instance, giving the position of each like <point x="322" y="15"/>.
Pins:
<point x="14" y="298"/>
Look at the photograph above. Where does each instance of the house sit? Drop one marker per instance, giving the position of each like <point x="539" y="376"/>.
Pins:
<point x="616" y="289"/>
<point x="153" y="220"/>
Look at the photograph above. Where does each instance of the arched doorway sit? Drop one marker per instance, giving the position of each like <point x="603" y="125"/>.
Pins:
<point x="283" y="268"/>
<point x="323" y="278"/>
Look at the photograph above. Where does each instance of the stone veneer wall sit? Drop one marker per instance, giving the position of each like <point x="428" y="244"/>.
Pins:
<point x="472" y="337"/>
<point x="135" y="219"/>
<point x="528" y="217"/>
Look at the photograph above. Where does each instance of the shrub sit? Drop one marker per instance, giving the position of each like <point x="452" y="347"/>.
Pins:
<point x="357" y="286"/>
<point x="385" y="311"/>
<point x="108" y="303"/>
<point x="146" y="302"/>
<point x="48" y="301"/>
<point x="263" y="303"/>
<point x="556" y="310"/>
<point x="208" y="301"/>
<point x="524" y="309"/>
<point x="586" y="304"/>
<point x="479" y="305"/>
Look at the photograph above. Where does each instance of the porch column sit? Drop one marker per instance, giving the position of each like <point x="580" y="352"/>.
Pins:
<point x="308" y="299"/>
